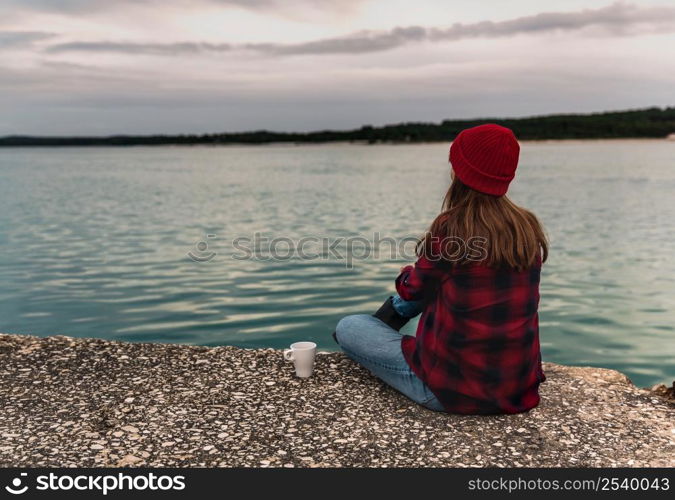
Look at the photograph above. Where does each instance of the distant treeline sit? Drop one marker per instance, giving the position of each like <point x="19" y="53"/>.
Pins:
<point x="650" y="122"/>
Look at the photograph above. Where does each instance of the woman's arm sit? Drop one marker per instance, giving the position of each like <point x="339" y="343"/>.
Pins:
<point x="420" y="282"/>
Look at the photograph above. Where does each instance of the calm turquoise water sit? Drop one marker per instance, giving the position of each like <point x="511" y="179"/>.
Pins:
<point x="94" y="242"/>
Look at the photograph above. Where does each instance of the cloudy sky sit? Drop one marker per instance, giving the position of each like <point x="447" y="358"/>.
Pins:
<point x="89" y="67"/>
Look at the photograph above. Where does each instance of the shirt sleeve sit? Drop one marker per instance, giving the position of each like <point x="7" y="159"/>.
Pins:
<point x="420" y="281"/>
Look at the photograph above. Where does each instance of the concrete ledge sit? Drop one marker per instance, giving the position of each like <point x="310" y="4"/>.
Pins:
<point x="87" y="402"/>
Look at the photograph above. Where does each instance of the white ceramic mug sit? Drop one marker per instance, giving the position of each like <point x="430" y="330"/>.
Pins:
<point x="302" y="354"/>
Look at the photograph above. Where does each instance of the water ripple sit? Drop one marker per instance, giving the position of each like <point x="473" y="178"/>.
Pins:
<point x="94" y="242"/>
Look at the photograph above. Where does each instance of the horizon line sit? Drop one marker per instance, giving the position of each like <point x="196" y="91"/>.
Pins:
<point x="329" y="130"/>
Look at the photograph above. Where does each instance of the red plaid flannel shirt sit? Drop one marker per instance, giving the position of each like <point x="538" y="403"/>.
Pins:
<point x="477" y="343"/>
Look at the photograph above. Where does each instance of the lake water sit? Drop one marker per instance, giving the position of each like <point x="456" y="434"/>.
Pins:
<point x="94" y="242"/>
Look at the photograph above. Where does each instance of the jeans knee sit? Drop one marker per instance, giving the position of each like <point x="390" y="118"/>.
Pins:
<point x="349" y="327"/>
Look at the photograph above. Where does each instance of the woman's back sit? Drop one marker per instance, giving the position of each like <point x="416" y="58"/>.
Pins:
<point x="477" y="342"/>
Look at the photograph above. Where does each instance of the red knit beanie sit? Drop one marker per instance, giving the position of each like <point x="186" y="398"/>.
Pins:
<point x="485" y="158"/>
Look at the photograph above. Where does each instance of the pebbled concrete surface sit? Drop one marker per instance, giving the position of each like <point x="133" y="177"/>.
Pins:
<point x="88" y="402"/>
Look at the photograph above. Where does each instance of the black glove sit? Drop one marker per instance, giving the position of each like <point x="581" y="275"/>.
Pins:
<point x="388" y="315"/>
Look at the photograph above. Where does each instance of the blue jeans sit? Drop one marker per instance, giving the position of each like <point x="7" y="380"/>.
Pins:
<point x="377" y="347"/>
